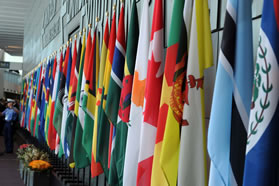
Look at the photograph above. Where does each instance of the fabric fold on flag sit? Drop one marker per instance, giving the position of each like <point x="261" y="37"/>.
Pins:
<point x="230" y="109"/>
<point x="158" y="176"/>
<point x="262" y="156"/>
<point x="200" y="57"/>
<point x="137" y="101"/>
<point x="96" y="168"/>
<point x="155" y="71"/>
<point x="80" y="155"/>
<point x="89" y="98"/>
<point x="103" y="122"/>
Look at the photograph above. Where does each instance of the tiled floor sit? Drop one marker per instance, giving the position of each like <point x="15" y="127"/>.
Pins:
<point x="9" y="174"/>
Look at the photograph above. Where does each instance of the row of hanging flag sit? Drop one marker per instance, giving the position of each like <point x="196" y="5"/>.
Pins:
<point x="138" y="117"/>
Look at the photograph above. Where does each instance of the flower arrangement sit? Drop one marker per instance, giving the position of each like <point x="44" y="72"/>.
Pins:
<point x="23" y="146"/>
<point x="22" y="149"/>
<point x="33" y="157"/>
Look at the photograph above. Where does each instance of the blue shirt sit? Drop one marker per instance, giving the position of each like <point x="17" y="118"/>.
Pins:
<point x="10" y="114"/>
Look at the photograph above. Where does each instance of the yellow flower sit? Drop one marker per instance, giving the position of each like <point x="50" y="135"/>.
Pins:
<point x="72" y="165"/>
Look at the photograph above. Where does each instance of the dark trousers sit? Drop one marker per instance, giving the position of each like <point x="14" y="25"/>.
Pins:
<point x="2" y="123"/>
<point x="8" y="135"/>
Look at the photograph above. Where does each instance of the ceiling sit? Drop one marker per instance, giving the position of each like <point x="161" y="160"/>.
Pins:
<point x="12" y="13"/>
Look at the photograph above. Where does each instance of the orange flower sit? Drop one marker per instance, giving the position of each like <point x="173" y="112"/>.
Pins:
<point x="39" y="165"/>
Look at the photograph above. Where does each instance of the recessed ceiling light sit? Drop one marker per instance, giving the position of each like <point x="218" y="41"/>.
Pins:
<point x="13" y="46"/>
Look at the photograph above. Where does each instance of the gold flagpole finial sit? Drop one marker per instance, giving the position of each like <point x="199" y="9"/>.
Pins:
<point x="114" y="7"/>
<point x="89" y="26"/>
<point x="97" y="19"/>
<point x="107" y="13"/>
<point x="122" y="1"/>
<point x="68" y="43"/>
<point x="84" y="30"/>
<point x="80" y="33"/>
<point x="70" y="40"/>
<point x="75" y="36"/>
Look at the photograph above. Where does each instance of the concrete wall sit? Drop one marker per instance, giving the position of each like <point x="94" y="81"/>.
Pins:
<point x="71" y="15"/>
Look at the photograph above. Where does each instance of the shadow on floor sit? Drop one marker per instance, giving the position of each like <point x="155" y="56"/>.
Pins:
<point x="9" y="173"/>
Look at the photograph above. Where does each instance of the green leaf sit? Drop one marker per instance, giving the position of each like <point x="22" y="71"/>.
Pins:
<point x="256" y="94"/>
<point x="264" y="106"/>
<point x="253" y="132"/>
<point x="259" y="120"/>
<point x="264" y="54"/>
<point x="267" y="70"/>
<point x="268" y="89"/>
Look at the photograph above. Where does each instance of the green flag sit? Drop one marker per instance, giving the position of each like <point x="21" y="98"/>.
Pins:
<point x="89" y="98"/>
<point x="118" y="153"/>
<point x="80" y="155"/>
<point x="102" y="154"/>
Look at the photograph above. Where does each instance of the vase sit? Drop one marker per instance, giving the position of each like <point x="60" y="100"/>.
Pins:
<point x="21" y="168"/>
<point x="25" y="175"/>
<point x="38" y="178"/>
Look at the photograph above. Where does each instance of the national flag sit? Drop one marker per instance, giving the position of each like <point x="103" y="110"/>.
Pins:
<point x="71" y="119"/>
<point x="193" y="138"/>
<point x="262" y="154"/>
<point x="103" y="122"/>
<point x="95" y="166"/>
<point x="158" y="177"/>
<point x="49" y="123"/>
<point x="117" y="71"/>
<point x="121" y="128"/>
<point x="28" y="103"/>
<point x="42" y="109"/>
<point x="23" y="101"/>
<point x="171" y="138"/>
<point x="38" y="96"/>
<point x="71" y="103"/>
<point x="52" y="133"/>
<point x="49" y="92"/>
<point x="227" y="133"/>
<point x="24" y="98"/>
<point x="59" y="103"/>
<point x="39" y="103"/>
<point x="65" y="105"/>
<point x="90" y="93"/>
<point x="114" y="92"/>
<point x="34" y="101"/>
<point x="80" y="156"/>
<point x="31" y="99"/>
<point x="152" y="96"/>
<point x="34" y="117"/>
<point x="137" y="100"/>
<point x="47" y="101"/>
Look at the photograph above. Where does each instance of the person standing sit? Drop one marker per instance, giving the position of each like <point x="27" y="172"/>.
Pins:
<point x="10" y="114"/>
<point x="2" y="121"/>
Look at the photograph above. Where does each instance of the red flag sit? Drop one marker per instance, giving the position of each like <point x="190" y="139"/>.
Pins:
<point x="152" y="96"/>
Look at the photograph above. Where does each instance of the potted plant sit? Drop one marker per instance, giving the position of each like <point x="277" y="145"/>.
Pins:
<point x="39" y="173"/>
<point x="34" y="165"/>
<point x="20" y="155"/>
